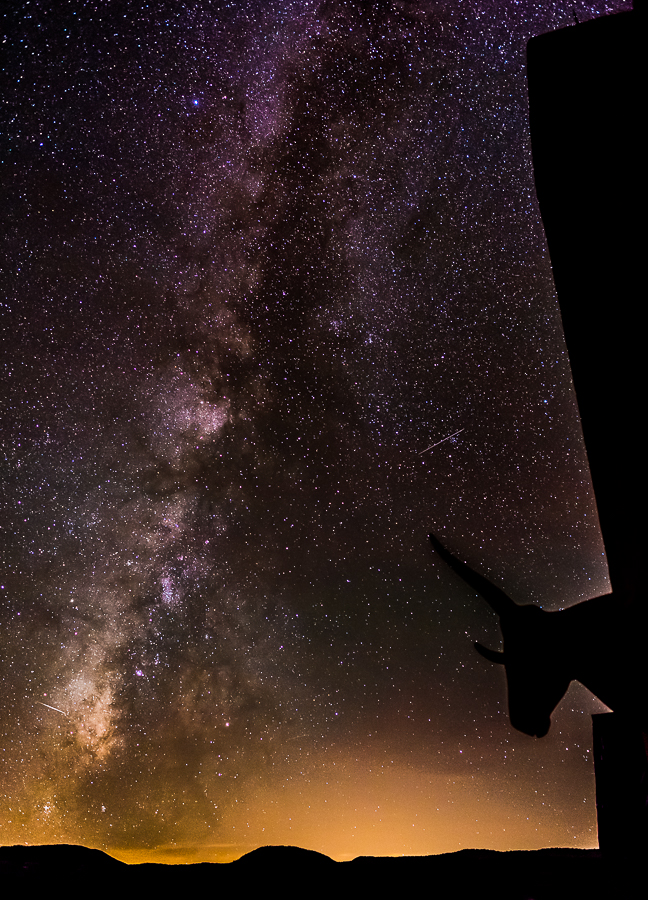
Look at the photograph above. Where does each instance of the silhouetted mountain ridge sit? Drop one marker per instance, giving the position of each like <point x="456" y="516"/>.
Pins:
<point x="552" y="873"/>
<point x="45" y="856"/>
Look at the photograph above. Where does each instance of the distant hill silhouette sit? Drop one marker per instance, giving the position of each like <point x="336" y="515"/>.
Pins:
<point x="48" y="857"/>
<point x="552" y="874"/>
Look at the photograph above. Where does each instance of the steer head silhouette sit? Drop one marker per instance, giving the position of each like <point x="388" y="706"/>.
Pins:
<point x="598" y="642"/>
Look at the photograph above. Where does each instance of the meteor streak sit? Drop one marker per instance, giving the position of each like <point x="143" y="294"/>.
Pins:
<point x="432" y="446"/>
<point x="55" y="708"/>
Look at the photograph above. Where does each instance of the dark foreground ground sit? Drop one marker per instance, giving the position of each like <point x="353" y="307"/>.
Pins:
<point x="292" y="872"/>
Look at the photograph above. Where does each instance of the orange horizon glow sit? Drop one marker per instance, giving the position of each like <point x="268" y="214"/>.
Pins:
<point x="354" y="807"/>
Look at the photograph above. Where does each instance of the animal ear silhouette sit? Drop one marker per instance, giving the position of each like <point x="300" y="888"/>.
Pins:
<point x="495" y="598"/>
<point x="494" y="656"/>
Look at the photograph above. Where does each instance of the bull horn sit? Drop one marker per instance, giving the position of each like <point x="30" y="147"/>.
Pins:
<point x="495" y="598"/>
<point x="494" y="656"/>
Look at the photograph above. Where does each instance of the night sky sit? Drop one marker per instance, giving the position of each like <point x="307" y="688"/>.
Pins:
<point x="258" y="257"/>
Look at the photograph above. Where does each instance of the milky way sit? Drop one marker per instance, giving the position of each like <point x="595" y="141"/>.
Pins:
<point x="258" y="258"/>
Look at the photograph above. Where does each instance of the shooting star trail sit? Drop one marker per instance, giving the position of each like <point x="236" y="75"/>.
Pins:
<point x="55" y="708"/>
<point x="432" y="446"/>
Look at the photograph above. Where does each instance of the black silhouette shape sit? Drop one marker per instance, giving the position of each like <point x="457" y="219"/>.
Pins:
<point x="542" y="874"/>
<point x="597" y="642"/>
<point x="586" y="89"/>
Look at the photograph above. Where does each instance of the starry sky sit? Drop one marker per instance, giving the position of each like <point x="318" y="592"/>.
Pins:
<point x="259" y="257"/>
